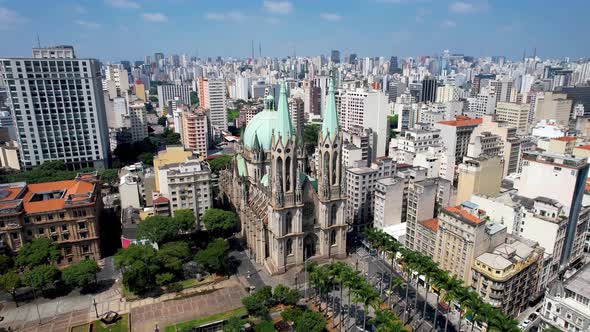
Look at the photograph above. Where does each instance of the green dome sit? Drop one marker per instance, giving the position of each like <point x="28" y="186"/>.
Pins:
<point x="263" y="124"/>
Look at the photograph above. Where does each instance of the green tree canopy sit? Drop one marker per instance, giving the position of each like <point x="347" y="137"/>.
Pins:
<point x="162" y="121"/>
<point x="185" y="219"/>
<point x="6" y="263"/>
<point x="80" y="274"/>
<point x="255" y="306"/>
<point x="41" y="276"/>
<point x="285" y="295"/>
<point x="194" y="98"/>
<point x="220" y="163"/>
<point x="304" y="321"/>
<point x="110" y="176"/>
<point x="38" y="252"/>
<point x="9" y="282"/>
<point x="214" y="257"/>
<point x="173" y="255"/>
<point x="157" y="229"/>
<point x="153" y="99"/>
<point x="140" y="266"/>
<point x="219" y="222"/>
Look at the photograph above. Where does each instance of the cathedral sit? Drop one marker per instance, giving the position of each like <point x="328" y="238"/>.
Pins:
<point x="286" y="215"/>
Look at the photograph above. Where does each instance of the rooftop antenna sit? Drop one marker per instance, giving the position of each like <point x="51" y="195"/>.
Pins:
<point x="534" y="54"/>
<point x="38" y="41"/>
<point x="252" y="49"/>
<point x="260" y="49"/>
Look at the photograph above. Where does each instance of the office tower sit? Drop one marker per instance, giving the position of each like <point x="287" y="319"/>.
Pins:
<point x="213" y="93"/>
<point x="393" y="67"/>
<point x="502" y="89"/>
<point x="428" y="93"/>
<point x="296" y="109"/>
<point x="58" y="105"/>
<point x="462" y="236"/>
<point x="67" y="212"/>
<point x="389" y="203"/>
<point x="195" y="131"/>
<point x="480" y="175"/>
<point x="368" y="109"/>
<point x="516" y="115"/>
<point x="564" y="179"/>
<point x="508" y="276"/>
<point x="456" y="134"/>
<point x="553" y="106"/>
<point x="360" y="189"/>
<point x="423" y="198"/>
<point x="158" y="57"/>
<point x="116" y="81"/>
<point x="172" y="92"/>
<point x="138" y="121"/>
<point x="511" y="143"/>
<point x="566" y="303"/>
<point x="335" y="56"/>
<point x="480" y="81"/>
<point x="578" y="95"/>
<point x="242" y="86"/>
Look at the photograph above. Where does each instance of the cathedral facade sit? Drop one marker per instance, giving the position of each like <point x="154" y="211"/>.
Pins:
<point x="286" y="215"/>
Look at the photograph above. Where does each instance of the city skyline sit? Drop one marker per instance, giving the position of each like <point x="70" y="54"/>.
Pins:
<point x="114" y="30"/>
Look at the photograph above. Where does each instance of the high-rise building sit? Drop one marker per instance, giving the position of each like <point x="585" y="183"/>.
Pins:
<point x="456" y="134"/>
<point x="481" y="175"/>
<point x="116" y="81"/>
<point x="393" y="66"/>
<point x="58" y="105"/>
<point x="578" y="95"/>
<point x="195" y="131"/>
<point x="428" y="93"/>
<point x="516" y="115"/>
<point x="553" y="106"/>
<point x="388" y="202"/>
<point x="335" y="56"/>
<point x="171" y="92"/>
<point x="296" y="108"/>
<point x="502" y="89"/>
<point x="213" y="92"/>
<point x="138" y="121"/>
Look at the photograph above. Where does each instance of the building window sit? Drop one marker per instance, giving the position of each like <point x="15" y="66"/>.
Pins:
<point x="288" y="223"/>
<point x="333" y="238"/>
<point x="85" y="248"/>
<point x="289" y="246"/>
<point x="81" y="225"/>
<point x="333" y="215"/>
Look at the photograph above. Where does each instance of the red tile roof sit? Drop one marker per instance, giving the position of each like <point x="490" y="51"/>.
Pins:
<point x="70" y="187"/>
<point x="461" y="121"/>
<point x="431" y="224"/>
<point x="565" y="138"/>
<point x="161" y="199"/>
<point x="462" y="213"/>
<point x="583" y="147"/>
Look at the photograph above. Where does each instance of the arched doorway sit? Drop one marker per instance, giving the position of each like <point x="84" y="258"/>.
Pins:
<point x="310" y="243"/>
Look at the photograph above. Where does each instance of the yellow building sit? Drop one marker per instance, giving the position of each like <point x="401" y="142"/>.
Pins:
<point x="482" y="175"/>
<point x="582" y="151"/>
<point x="507" y="277"/>
<point x="517" y="115"/>
<point x="139" y="90"/>
<point x="562" y="145"/>
<point x="172" y="154"/>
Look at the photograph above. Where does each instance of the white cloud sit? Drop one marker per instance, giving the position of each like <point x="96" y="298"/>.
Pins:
<point x="123" y="4"/>
<point x="468" y="7"/>
<point x="88" y="24"/>
<point x="331" y="17"/>
<point x="278" y="7"/>
<point x="154" y="17"/>
<point x="234" y="16"/>
<point x="9" y="18"/>
<point x="448" y="24"/>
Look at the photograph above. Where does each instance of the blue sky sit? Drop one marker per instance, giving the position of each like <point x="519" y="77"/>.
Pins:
<point x="115" y="30"/>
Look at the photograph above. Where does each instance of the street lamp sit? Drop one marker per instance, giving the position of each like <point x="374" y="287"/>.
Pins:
<point x="95" y="306"/>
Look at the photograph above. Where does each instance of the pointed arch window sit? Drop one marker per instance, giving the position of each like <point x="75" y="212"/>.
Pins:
<point x="279" y="168"/>
<point x="288" y="223"/>
<point x="327" y="164"/>
<point x="333" y="238"/>
<point x="334" y="168"/>
<point x="333" y="215"/>
<point x="289" y="246"/>
<point x="288" y="174"/>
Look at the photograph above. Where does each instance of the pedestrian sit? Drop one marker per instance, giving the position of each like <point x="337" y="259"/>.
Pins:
<point x="157" y="329"/>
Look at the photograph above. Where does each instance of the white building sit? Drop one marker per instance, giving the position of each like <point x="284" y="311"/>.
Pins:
<point x="389" y="199"/>
<point x="73" y="132"/>
<point x="215" y="102"/>
<point x="116" y="81"/>
<point x="177" y="93"/>
<point x="414" y="141"/>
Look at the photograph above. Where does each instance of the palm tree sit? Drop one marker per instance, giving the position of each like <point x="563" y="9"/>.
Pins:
<point x="503" y="323"/>
<point x="337" y="274"/>
<point x="408" y="257"/>
<point x="486" y="313"/>
<point x="368" y="296"/>
<point x="386" y="321"/>
<point x="471" y="302"/>
<point x="459" y="294"/>
<point x="429" y="269"/>
<point x="352" y="281"/>
<point x="439" y="280"/>
<point x="453" y="286"/>
<point x="392" y="247"/>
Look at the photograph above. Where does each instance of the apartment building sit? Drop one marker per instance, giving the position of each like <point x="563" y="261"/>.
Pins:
<point x="179" y="93"/>
<point x="481" y="175"/>
<point x="510" y="142"/>
<point x="136" y="186"/>
<point x="414" y="141"/>
<point x="388" y="202"/>
<point x="67" y="212"/>
<point x="195" y="131"/>
<point x="212" y="95"/>
<point x="456" y="134"/>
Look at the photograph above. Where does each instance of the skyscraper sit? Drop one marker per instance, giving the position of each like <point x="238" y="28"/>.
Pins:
<point x="428" y="93"/>
<point x="212" y="97"/>
<point x="57" y="101"/>
<point x="393" y="64"/>
<point x="335" y="56"/>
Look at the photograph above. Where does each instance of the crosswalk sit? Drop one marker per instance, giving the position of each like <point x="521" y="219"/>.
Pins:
<point x="362" y="252"/>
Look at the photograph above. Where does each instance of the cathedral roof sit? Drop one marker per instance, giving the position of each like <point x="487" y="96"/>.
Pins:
<point x="330" y="123"/>
<point x="263" y="124"/>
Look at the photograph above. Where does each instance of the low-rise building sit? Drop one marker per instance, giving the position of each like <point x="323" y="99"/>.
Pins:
<point x="67" y="212"/>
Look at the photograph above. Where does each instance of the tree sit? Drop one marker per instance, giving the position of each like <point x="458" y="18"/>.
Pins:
<point x="285" y="295"/>
<point x="310" y="321"/>
<point x="81" y="274"/>
<point x="185" y="219"/>
<point x="157" y="229"/>
<point x="214" y="257"/>
<point x="368" y="297"/>
<point x="162" y="121"/>
<point x="194" y="98"/>
<point x="220" y="163"/>
<point x="172" y="255"/>
<point x="164" y="278"/>
<point x="37" y="252"/>
<point x="9" y="283"/>
<point x="146" y="158"/>
<point x="110" y="176"/>
<point x="6" y="263"/>
<point x="153" y="99"/>
<point x="219" y="222"/>
<point x="264" y="326"/>
<point x="386" y="321"/>
<point x="140" y="265"/>
<point x="310" y="136"/>
<point x="233" y="324"/>
<point x="255" y="306"/>
<point x="41" y="276"/>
